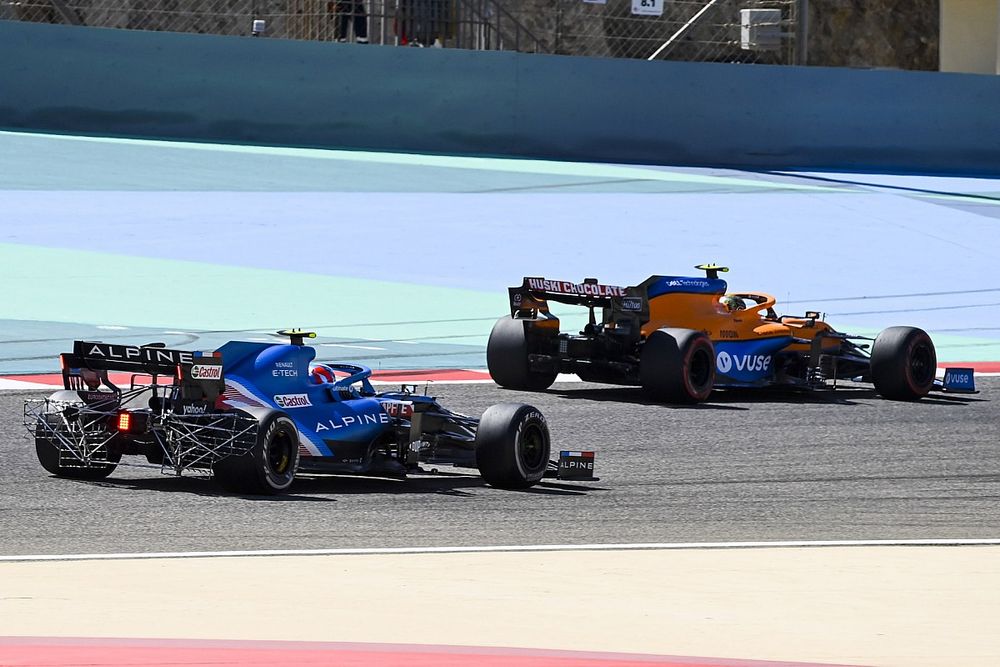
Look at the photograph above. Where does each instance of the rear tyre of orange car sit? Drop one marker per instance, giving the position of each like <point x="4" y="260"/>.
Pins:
<point x="903" y="363"/>
<point x="677" y="366"/>
<point x="507" y="356"/>
<point x="512" y="446"/>
<point x="268" y="467"/>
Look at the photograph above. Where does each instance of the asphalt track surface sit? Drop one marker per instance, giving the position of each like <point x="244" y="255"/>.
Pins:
<point x="845" y="465"/>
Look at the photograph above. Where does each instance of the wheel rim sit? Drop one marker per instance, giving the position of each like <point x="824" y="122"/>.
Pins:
<point x="279" y="453"/>
<point x="921" y="364"/>
<point x="532" y="449"/>
<point x="700" y="369"/>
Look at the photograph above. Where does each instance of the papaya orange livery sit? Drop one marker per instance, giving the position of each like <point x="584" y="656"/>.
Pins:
<point x="681" y="337"/>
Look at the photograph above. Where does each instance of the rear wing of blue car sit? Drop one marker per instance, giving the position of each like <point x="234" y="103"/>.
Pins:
<point x="145" y="359"/>
<point x="86" y="367"/>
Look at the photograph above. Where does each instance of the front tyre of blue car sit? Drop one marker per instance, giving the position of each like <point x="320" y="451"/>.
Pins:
<point x="512" y="446"/>
<point x="269" y="465"/>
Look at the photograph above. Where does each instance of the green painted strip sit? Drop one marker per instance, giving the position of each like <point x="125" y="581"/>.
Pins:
<point x="73" y="286"/>
<point x="986" y="199"/>
<point x="502" y="165"/>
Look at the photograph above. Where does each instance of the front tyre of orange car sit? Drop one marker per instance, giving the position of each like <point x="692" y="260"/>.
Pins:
<point x="903" y="363"/>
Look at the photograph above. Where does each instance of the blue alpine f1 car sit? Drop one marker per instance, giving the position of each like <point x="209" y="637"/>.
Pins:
<point x="254" y="415"/>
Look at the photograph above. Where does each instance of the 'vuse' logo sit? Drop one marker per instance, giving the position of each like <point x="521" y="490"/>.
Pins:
<point x="724" y="362"/>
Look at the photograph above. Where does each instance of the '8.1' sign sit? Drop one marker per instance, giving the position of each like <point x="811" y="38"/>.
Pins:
<point x="647" y="7"/>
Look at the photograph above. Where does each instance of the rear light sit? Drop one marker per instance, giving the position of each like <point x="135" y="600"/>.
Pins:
<point x="124" y="422"/>
<point x="131" y="423"/>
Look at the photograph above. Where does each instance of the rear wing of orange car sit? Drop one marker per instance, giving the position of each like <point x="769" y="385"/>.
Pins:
<point x="627" y="307"/>
<point x="535" y="293"/>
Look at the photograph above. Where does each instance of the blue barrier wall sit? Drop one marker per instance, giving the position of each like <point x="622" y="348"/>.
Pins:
<point x="231" y="89"/>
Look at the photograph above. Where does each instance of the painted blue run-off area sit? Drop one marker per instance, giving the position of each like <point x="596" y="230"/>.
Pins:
<point x="402" y="261"/>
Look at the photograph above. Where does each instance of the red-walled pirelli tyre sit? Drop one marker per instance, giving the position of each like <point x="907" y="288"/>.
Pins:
<point x="677" y="365"/>
<point x="904" y="363"/>
<point x="507" y="357"/>
<point x="512" y="446"/>
<point x="269" y="467"/>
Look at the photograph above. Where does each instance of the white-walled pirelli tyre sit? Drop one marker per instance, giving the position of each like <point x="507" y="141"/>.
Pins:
<point x="512" y="446"/>
<point x="677" y="365"/>
<point x="270" y="464"/>
<point x="903" y="363"/>
<point x="507" y="357"/>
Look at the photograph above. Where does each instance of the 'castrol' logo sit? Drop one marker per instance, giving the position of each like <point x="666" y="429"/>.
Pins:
<point x="292" y="401"/>
<point x="206" y="372"/>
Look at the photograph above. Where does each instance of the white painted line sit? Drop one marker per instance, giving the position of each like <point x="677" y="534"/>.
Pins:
<point x="651" y="546"/>
<point x="406" y="342"/>
<point x="353" y="347"/>
<point x="111" y="327"/>
<point x="16" y="385"/>
<point x="178" y="333"/>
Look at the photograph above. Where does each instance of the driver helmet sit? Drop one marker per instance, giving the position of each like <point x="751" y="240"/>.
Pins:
<point x="321" y="374"/>
<point x="733" y="303"/>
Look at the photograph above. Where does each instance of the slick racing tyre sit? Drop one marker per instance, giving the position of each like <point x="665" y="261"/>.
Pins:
<point x="47" y="448"/>
<point x="270" y="464"/>
<point x="903" y="363"/>
<point x="512" y="446"/>
<point x="507" y="357"/>
<point x="677" y="366"/>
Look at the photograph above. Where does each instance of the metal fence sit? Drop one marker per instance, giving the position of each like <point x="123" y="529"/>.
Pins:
<point x="696" y="30"/>
<point x="702" y="30"/>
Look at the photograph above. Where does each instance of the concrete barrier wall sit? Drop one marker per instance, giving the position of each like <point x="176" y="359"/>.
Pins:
<point x="232" y="89"/>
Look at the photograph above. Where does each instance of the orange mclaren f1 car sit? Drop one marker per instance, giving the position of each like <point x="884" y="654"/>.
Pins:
<point x="681" y="337"/>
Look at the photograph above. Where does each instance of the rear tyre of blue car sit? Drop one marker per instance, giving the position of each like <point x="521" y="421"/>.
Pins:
<point x="507" y="356"/>
<point x="512" y="446"/>
<point x="677" y="366"/>
<point x="903" y="363"/>
<point x="48" y="448"/>
<point x="269" y="466"/>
